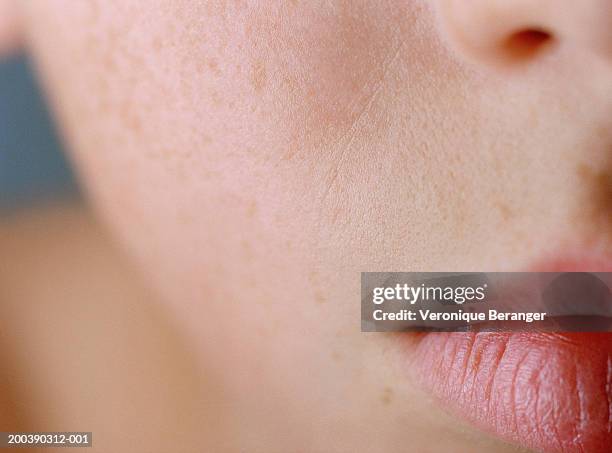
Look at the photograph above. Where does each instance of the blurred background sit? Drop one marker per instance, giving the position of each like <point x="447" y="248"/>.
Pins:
<point x="32" y="167"/>
<point x="71" y="304"/>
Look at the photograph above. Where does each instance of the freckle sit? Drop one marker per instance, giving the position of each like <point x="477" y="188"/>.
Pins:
<point x="387" y="396"/>
<point x="534" y="117"/>
<point x="505" y="211"/>
<point x="129" y="118"/>
<point x="289" y="154"/>
<point x="157" y="43"/>
<point x="251" y="209"/>
<point x="259" y="76"/>
<point x="102" y="85"/>
<point x="336" y="356"/>
<point x="200" y="67"/>
<point x="319" y="298"/>
<point x="247" y="250"/>
<point x="185" y="218"/>
<point x="134" y="124"/>
<point x="289" y="245"/>
<point x="207" y="140"/>
<point x="109" y="62"/>
<point x="335" y="215"/>
<point x="289" y="83"/>
<point x="215" y="98"/>
<point x="213" y="65"/>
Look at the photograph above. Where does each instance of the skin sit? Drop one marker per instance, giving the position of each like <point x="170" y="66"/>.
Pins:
<point x="253" y="158"/>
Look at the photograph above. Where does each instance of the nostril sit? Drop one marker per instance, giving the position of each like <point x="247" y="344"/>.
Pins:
<point x="526" y="43"/>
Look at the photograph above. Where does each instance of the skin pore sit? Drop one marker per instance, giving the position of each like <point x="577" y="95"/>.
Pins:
<point x="252" y="158"/>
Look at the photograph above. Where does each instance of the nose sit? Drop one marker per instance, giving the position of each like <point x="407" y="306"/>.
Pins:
<point x="514" y="32"/>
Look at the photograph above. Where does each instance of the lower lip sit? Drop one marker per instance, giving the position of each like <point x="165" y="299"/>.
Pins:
<point x="549" y="392"/>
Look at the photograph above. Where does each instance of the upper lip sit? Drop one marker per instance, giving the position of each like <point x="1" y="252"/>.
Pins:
<point x="546" y="391"/>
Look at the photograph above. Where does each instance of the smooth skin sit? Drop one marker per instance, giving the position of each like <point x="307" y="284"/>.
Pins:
<point x="252" y="158"/>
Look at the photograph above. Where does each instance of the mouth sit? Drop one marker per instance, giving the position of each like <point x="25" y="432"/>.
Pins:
<point x="548" y="392"/>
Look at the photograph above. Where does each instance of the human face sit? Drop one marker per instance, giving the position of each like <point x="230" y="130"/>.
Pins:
<point x="255" y="157"/>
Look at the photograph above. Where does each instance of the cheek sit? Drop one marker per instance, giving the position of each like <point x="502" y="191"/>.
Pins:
<point x="189" y="113"/>
<point x="197" y="124"/>
<point x="323" y="63"/>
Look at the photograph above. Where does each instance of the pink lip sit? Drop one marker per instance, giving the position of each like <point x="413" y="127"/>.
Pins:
<point x="548" y="392"/>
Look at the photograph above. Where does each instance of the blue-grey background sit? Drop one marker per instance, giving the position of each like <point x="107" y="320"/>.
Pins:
<point x="32" y="167"/>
